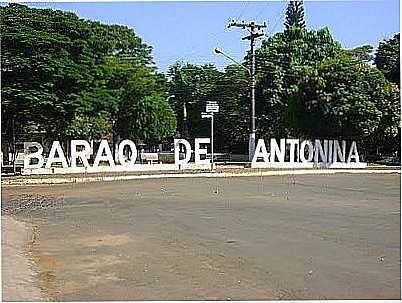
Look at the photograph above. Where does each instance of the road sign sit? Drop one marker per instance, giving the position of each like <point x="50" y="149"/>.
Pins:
<point x="206" y="115"/>
<point x="212" y="108"/>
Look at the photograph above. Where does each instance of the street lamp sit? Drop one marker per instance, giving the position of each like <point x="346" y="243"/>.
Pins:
<point x="251" y="141"/>
<point x="220" y="52"/>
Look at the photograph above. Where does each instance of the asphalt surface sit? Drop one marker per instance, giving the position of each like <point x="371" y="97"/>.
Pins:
<point x="284" y="237"/>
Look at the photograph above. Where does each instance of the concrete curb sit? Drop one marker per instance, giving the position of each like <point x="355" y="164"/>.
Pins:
<point x="61" y="180"/>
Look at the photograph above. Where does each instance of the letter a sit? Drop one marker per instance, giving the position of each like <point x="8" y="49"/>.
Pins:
<point x="56" y="148"/>
<point x="104" y="147"/>
<point x="353" y="153"/>
<point x="260" y="151"/>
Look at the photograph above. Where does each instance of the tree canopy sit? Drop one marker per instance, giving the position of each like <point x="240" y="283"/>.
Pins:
<point x="347" y="99"/>
<point x="283" y="60"/>
<point x="387" y="58"/>
<point x="308" y="86"/>
<point x="192" y="86"/>
<point x="70" y="77"/>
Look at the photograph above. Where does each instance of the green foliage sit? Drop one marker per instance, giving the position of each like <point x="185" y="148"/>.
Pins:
<point x="387" y="58"/>
<point x="347" y="99"/>
<point x="61" y="73"/>
<point x="308" y="86"/>
<point x="191" y="86"/>
<point x="282" y="61"/>
<point x="75" y="78"/>
<point x="151" y="119"/>
<point x="95" y="127"/>
<point x="295" y="14"/>
<point x="361" y="53"/>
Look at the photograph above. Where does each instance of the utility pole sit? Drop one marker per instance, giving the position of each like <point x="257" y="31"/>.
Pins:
<point x="255" y="31"/>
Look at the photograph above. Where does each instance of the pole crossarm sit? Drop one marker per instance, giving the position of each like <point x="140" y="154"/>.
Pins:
<point x="245" y="25"/>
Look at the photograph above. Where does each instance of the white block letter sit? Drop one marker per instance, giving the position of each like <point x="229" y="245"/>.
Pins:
<point x="121" y="157"/>
<point x="319" y="151"/>
<point x="200" y="151"/>
<point x="82" y="154"/>
<point x="279" y="152"/>
<point x="34" y="155"/>
<point x="187" y="154"/>
<point x="260" y="151"/>
<point x="338" y="152"/>
<point x="330" y="156"/>
<point x="353" y="153"/>
<point x="293" y="143"/>
<point x="104" y="147"/>
<point x="56" y="148"/>
<point x="310" y="146"/>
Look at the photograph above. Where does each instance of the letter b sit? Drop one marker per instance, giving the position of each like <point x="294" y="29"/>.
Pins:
<point x="34" y="155"/>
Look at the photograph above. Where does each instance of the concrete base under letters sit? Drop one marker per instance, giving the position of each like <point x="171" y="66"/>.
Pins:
<point x="116" y="168"/>
<point x="308" y="165"/>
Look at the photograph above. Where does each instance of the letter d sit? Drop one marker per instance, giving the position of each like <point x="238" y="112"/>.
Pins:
<point x="177" y="143"/>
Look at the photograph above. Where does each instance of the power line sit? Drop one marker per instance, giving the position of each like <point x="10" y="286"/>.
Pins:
<point x="277" y="20"/>
<point x="245" y="4"/>
<point x="262" y="9"/>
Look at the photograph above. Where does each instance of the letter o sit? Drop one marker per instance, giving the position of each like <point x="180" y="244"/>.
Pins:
<point x="133" y="148"/>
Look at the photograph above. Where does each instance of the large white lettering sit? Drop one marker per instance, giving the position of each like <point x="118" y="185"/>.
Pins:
<point x="83" y="154"/>
<point x="33" y="155"/>
<point x="288" y="153"/>
<point x="108" y="157"/>
<point x="278" y="151"/>
<point x="187" y="151"/>
<point x="325" y="151"/>
<point x="198" y="151"/>
<point x="260" y="151"/>
<point x="353" y="154"/>
<point x="60" y="158"/>
<point x="133" y="150"/>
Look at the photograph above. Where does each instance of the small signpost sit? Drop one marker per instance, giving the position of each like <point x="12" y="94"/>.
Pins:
<point x="211" y="108"/>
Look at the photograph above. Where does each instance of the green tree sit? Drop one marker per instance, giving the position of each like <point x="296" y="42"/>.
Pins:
<point x="144" y="113"/>
<point x="346" y="99"/>
<point x="309" y="86"/>
<point x="61" y="73"/>
<point x="387" y="58"/>
<point x="282" y="61"/>
<point x="191" y="86"/>
<point x="295" y="14"/>
<point x="361" y="53"/>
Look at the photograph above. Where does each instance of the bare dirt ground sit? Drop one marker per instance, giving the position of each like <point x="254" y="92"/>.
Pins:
<point x="18" y="270"/>
<point x="289" y="237"/>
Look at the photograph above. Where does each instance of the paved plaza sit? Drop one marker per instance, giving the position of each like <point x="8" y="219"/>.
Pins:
<point x="278" y="237"/>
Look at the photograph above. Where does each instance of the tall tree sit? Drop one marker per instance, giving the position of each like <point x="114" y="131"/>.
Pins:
<point x="309" y="86"/>
<point x="387" y="58"/>
<point x="282" y="61"/>
<point x="347" y="99"/>
<point x="71" y="77"/>
<point x="295" y="14"/>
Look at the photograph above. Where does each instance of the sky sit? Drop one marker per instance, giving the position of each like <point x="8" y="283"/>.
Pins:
<point x="189" y="31"/>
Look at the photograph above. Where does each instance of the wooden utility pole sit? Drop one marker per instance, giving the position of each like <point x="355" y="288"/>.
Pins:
<point x="256" y="31"/>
